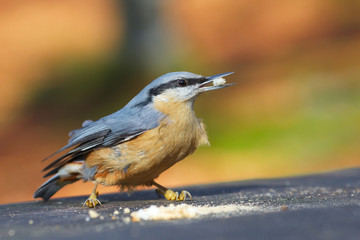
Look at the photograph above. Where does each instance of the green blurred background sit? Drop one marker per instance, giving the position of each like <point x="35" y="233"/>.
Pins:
<point x="295" y="108"/>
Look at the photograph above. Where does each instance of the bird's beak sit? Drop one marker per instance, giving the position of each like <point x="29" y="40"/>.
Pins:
<point x="217" y="80"/>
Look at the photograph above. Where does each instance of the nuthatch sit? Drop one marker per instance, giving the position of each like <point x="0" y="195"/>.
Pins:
<point x="134" y="145"/>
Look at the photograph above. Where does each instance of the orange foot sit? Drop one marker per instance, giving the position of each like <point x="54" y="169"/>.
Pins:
<point x="174" y="196"/>
<point x="92" y="201"/>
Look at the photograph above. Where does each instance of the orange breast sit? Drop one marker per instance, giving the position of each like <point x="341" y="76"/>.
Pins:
<point x="140" y="160"/>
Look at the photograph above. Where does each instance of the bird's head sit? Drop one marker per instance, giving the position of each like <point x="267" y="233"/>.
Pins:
<point x="179" y="87"/>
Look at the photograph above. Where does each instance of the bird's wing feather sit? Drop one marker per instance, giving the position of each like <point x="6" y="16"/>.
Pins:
<point x="105" y="132"/>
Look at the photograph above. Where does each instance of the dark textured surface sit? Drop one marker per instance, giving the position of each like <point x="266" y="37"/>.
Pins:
<point x="324" y="206"/>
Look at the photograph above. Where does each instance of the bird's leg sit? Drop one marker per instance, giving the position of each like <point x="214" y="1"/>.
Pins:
<point x="170" y="194"/>
<point x="92" y="201"/>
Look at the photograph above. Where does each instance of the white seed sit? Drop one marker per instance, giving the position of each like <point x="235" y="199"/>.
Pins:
<point x="219" y="81"/>
<point x="126" y="220"/>
<point x="93" y="214"/>
<point x="12" y="232"/>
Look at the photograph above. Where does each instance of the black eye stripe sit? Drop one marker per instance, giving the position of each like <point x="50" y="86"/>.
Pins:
<point x="193" y="81"/>
<point x="172" y="84"/>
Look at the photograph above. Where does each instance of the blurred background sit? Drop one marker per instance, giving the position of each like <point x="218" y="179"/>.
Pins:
<point x="295" y="108"/>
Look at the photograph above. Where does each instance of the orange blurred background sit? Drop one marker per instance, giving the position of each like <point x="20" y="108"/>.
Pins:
<point x="295" y="108"/>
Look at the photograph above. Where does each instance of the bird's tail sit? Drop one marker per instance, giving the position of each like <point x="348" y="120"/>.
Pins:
<point x="69" y="173"/>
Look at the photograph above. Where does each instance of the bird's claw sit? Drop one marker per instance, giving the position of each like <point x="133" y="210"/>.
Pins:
<point x="183" y="194"/>
<point x="175" y="196"/>
<point x="92" y="201"/>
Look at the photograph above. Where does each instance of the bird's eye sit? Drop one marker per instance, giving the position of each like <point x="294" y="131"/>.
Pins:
<point x="182" y="82"/>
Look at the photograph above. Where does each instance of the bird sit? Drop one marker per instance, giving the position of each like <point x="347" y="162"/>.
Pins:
<point x="134" y="145"/>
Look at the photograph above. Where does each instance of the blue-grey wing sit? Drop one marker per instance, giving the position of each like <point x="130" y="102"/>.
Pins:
<point x="105" y="132"/>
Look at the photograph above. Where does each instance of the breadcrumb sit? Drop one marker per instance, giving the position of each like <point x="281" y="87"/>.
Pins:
<point x="126" y="220"/>
<point x="170" y="212"/>
<point x="93" y="214"/>
<point x="219" y="81"/>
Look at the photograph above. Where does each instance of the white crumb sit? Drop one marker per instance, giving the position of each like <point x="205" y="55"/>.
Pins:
<point x="219" y="81"/>
<point x="93" y="214"/>
<point x="127" y="220"/>
<point x="126" y="210"/>
<point x="12" y="232"/>
<point x="102" y="217"/>
<point x="180" y="211"/>
<point x="116" y="212"/>
<point x="87" y="219"/>
<point x="31" y="222"/>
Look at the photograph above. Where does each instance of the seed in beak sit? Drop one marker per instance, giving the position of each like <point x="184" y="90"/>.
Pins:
<point x="219" y="81"/>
